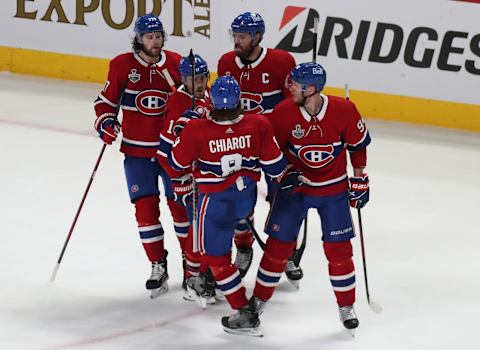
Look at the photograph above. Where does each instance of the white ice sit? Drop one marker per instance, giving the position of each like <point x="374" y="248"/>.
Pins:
<point x="421" y="234"/>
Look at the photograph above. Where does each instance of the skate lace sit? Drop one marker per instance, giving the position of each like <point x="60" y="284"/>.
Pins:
<point x="243" y="259"/>
<point x="347" y="313"/>
<point x="291" y="266"/>
<point x="158" y="270"/>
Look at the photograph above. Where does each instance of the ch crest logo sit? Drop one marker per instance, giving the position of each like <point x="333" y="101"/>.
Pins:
<point x="134" y="77"/>
<point x="298" y="133"/>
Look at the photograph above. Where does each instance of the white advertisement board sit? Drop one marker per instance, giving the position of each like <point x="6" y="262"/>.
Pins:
<point x="427" y="49"/>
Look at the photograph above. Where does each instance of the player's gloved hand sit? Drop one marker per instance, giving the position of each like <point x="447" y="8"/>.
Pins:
<point x="290" y="179"/>
<point x="108" y="128"/>
<point x="184" y="119"/>
<point x="183" y="189"/>
<point x="359" y="192"/>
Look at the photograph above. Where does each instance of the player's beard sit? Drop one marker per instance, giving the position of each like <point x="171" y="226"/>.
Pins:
<point x="154" y="52"/>
<point x="243" y="53"/>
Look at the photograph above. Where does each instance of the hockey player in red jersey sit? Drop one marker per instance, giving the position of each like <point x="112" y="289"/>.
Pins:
<point x="315" y="131"/>
<point x="137" y="81"/>
<point x="261" y="73"/>
<point x="230" y="150"/>
<point x="178" y="112"/>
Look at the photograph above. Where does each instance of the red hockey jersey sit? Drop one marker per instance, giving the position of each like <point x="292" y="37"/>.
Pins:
<point x="317" y="145"/>
<point x="227" y="150"/>
<point x="262" y="82"/>
<point x="145" y="93"/>
<point x="178" y="103"/>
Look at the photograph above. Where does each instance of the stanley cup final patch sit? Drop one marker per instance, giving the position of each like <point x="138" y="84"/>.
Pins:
<point x="134" y="77"/>
<point x="298" y="133"/>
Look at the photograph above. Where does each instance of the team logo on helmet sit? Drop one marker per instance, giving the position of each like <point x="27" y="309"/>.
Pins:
<point x="151" y="102"/>
<point x="316" y="156"/>
<point x="251" y="102"/>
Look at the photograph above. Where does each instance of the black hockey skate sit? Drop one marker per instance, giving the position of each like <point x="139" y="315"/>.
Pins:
<point x="349" y="318"/>
<point x="157" y="282"/>
<point x="243" y="260"/>
<point x="294" y="273"/>
<point x="200" y="289"/>
<point x="244" y="322"/>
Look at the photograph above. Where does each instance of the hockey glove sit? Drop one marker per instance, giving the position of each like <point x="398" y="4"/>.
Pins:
<point x="290" y="179"/>
<point x="183" y="189"/>
<point x="184" y="119"/>
<point x="107" y="128"/>
<point x="359" y="192"/>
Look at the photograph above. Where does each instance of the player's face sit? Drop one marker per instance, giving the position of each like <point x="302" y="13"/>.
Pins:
<point x="296" y="91"/>
<point x="243" y="44"/>
<point x="152" y="44"/>
<point x="200" y="84"/>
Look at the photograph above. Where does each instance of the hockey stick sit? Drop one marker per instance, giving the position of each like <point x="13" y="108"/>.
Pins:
<point x="297" y="255"/>
<point x="169" y="79"/>
<point x="255" y="233"/>
<point x="373" y="305"/>
<point x="196" y="247"/>
<point x="97" y="163"/>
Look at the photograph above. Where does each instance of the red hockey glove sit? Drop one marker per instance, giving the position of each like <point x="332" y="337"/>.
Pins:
<point x="185" y="118"/>
<point x="183" y="189"/>
<point x="359" y="192"/>
<point x="107" y="128"/>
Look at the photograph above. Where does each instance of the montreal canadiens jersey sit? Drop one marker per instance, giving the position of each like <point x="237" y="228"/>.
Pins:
<point x="227" y="150"/>
<point x="263" y="81"/>
<point x="145" y="93"/>
<point x="317" y="145"/>
<point x="177" y="104"/>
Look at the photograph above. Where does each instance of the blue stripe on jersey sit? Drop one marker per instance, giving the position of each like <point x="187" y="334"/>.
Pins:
<point x="343" y="283"/>
<point x="136" y="145"/>
<point x="366" y="141"/>
<point x="258" y="103"/>
<point x="247" y="164"/>
<point x="276" y="168"/>
<point x="164" y="147"/>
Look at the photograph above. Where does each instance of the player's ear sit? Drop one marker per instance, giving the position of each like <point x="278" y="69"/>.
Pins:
<point x="257" y="38"/>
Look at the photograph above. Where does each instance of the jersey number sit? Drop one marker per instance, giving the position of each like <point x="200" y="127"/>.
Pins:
<point x="231" y="163"/>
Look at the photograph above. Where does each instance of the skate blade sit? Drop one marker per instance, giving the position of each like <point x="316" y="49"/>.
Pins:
<point x="155" y="293"/>
<point x="295" y="283"/>
<point x="188" y="297"/>
<point x="201" y="301"/>
<point x="375" y="307"/>
<point x="252" y="332"/>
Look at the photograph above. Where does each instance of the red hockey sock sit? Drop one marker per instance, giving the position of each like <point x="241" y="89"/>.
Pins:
<point x="147" y="214"/>
<point x="228" y="279"/>
<point x="243" y="235"/>
<point x="341" y="270"/>
<point x="271" y="268"/>
<point x="180" y="221"/>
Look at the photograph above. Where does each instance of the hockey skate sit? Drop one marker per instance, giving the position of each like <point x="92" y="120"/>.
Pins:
<point x="157" y="282"/>
<point x="243" y="260"/>
<point x="348" y="318"/>
<point x="244" y="322"/>
<point x="294" y="273"/>
<point x="200" y="290"/>
<point x="258" y="304"/>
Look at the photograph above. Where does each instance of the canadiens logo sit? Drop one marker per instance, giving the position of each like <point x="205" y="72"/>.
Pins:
<point x="251" y="102"/>
<point x="316" y="156"/>
<point x="134" y="188"/>
<point x="134" y="77"/>
<point x="151" y="102"/>
<point x="298" y="133"/>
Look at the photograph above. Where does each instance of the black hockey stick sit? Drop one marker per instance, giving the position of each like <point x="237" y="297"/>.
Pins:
<point x="373" y="305"/>
<point x="255" y="233"/>
<point x="85" y="193"/>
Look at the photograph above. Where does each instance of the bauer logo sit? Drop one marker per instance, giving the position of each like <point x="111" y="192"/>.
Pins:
<point x="316" y="156"/>
<point x="151" y="102"/>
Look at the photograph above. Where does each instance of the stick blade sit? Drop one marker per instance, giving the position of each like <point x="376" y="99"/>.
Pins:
<point x="375" y="307"/>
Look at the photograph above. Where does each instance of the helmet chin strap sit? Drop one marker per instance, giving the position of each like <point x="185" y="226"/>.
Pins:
<point x="305" y="97"/>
